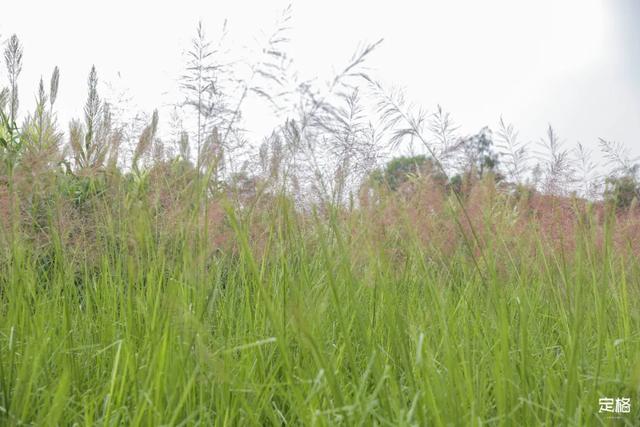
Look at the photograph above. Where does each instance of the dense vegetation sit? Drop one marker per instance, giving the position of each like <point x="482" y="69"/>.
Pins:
<point x="197" y="278"/>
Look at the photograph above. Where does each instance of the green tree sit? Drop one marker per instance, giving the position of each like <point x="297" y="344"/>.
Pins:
<point x="400" y="169"/>
<point x="478" y="153"/>
<point x="622" y="190"/>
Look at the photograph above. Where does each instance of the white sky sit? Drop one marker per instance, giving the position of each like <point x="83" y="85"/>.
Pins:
<point x="563" y="62"/>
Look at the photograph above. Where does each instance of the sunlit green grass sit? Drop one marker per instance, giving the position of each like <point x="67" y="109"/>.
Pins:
<point x="326" y="323"/>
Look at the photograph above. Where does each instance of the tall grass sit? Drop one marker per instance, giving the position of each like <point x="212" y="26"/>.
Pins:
<point x="229" y="284"/>
<point x="339" y="318"/>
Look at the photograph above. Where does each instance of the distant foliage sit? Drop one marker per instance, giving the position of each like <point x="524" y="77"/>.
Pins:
<point x="402" y="169"/>
<point x="622" y="191"/>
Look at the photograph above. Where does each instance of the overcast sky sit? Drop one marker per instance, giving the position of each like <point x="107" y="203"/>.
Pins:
<point x="572" y="63"/>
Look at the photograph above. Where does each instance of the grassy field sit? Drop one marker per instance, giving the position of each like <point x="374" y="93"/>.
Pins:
<point x="270" y="316"/>
<point x="181" y="271"/>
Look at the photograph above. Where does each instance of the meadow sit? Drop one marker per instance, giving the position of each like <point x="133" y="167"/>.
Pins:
<point x="156" y="286"/>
